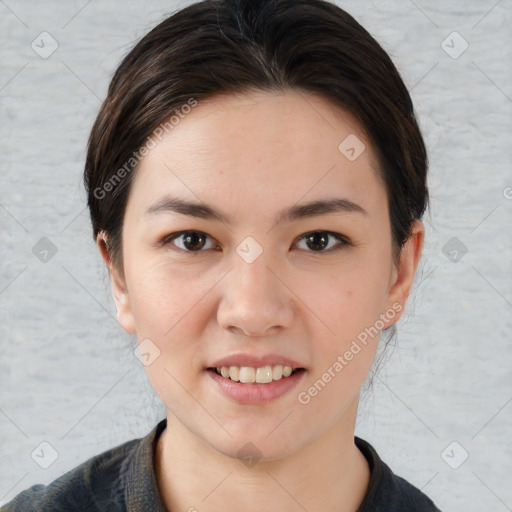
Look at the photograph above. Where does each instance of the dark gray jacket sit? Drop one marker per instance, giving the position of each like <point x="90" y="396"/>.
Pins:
<point x="123" y="479"/>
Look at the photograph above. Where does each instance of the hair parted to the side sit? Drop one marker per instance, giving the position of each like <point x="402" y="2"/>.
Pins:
<point x="234" y="46"/>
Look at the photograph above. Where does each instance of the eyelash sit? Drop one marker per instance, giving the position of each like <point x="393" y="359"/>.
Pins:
<point x="344" y="241"/>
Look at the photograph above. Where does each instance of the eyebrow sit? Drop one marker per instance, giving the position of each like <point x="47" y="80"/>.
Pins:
<point x="169" y="204"/>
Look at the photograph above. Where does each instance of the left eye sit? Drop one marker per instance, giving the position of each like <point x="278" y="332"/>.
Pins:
<point x="315" y="241"/>
<point x="319" y="241"/>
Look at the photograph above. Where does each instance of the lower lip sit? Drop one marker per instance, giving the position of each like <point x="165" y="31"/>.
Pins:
<point x="256" y="393"/>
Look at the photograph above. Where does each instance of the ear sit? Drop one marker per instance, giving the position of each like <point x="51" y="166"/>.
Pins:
<point x="403" y="273"/>
<point x="119" y="289"/>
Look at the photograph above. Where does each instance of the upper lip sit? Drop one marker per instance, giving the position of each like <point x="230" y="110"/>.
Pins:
<point x="255" y="361"/>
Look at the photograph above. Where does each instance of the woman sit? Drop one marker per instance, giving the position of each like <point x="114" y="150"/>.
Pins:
<point x="256" y="180"/>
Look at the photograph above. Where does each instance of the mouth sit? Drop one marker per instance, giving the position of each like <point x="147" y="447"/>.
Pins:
<point x="255" y="375"/>
<point x="255" y="385"/>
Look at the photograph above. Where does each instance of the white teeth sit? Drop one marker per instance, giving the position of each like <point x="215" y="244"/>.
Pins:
<point x="247" y="374"/>
<point x="250" y="375"/>
<point x="277" y="372"/>
<point x="264" y="375"/>
<point x="234" y="373"/>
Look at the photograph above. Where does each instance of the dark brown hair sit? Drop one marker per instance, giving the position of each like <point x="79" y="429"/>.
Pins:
<point x="231" y="46"/>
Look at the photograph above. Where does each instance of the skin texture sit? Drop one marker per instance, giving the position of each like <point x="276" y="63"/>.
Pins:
<point x="251" y="156"/>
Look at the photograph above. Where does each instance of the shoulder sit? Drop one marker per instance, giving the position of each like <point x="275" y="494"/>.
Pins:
<point x="101" y="483"/>
<point x="81" y="488"/>
<point x="388" y="491"/>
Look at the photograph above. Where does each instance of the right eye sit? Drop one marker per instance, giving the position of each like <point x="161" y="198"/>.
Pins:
<point x="189" y="241"/>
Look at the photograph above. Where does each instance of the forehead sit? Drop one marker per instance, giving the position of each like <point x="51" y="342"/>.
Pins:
<point x="262" y="147"/>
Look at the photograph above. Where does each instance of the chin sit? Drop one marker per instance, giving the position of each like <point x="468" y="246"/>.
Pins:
<point x="257" y="447"/>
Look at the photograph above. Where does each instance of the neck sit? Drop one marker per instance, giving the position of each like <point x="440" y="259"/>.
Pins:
<point x="329" y="474"/>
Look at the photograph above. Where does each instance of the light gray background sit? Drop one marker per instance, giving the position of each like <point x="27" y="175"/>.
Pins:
<point x="67" y="372"/>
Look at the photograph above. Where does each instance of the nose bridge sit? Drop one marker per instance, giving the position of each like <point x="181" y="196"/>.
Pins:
<point x="251" y="277"/>
<point x="251" y="262"/>
<point x="253" y="298"/>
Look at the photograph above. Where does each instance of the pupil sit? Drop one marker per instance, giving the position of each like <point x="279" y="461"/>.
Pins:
<point x="317" y="241"/>
<point x="194" y="241"/>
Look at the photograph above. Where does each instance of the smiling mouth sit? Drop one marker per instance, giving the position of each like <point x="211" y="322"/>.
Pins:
<point x="250" y="375"/>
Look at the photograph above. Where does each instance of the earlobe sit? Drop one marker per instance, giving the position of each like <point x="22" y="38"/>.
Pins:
<point x="404" y="272"/>
<point x="119" y="288"/>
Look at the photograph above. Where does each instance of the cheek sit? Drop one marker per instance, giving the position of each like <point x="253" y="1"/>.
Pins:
<point x="171" y="307"/>
<point x="344" y="353"/>
<point x="168" y="311"/>
<point x="161" y="297"/>
<point x="349" y="301"/>
<point x="349" y="298"/>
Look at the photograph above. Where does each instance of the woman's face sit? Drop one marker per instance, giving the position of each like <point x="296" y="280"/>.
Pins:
<point x="249" y="286"/>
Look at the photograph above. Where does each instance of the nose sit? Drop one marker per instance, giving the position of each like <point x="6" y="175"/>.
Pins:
<point x="255" y="302"/>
